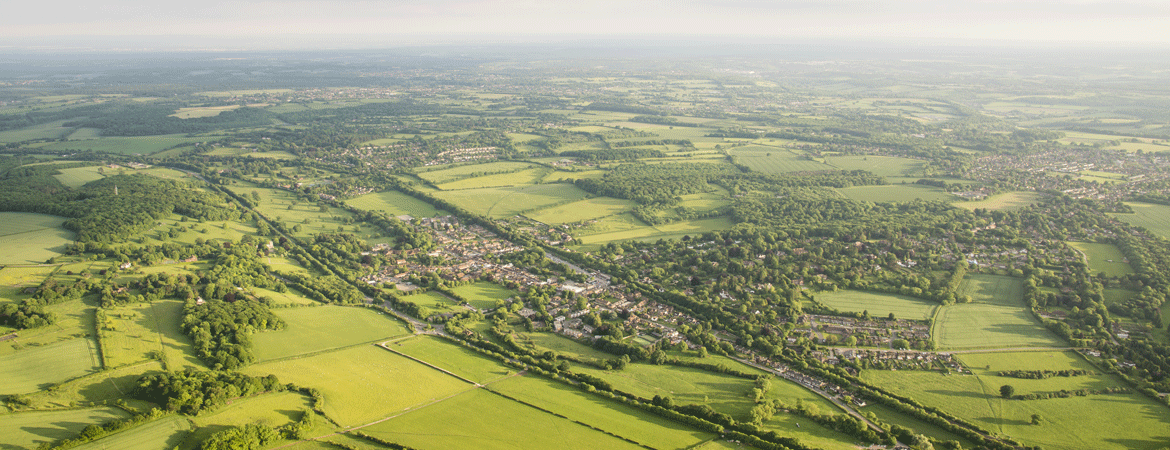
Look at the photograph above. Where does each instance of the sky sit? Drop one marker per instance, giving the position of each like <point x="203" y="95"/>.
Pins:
<point x="275" y="23"/>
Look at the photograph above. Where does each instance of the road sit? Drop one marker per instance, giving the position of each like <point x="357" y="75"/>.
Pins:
<point x="840" y="404"/>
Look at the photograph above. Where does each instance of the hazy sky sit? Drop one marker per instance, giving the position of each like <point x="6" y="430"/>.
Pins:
<point x="1103" y="21"/>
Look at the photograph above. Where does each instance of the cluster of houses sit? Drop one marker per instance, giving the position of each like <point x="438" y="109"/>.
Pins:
<point x="892" y="359"/>
<point x="869" y="332"/>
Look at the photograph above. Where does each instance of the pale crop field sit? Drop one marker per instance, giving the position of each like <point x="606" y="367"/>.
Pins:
<point x="365" y="383"/>
<point x="1011" y="201"/>
<point x="472" y="420"/>
<point x="27" y="238"/>
<point x="312" y="329"/>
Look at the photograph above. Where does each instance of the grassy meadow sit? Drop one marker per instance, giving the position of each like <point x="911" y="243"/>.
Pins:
<point x="31" y="429"/>
<point x="453" y="357"/>
<point x="145" y="331"/>
<point x="1104" y="258"/>
<point x="894" y="193"/>
<point x="35" y="368"/>
<point x="878" y="304"/>
<point x="28" y="238"/>
<point x="498" y="202"/>
<point x="394" y="203"/>
<point x="483" y="294"/>
<point x="996" y="318"/>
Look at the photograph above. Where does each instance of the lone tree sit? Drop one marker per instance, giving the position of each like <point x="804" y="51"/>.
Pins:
<point x="1036" y="419"/>
<point x="1006" y="391"/>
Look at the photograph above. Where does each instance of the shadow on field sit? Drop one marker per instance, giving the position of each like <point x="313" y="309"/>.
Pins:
<point x="951" y="393"/>
<point x="1001" y="421"/>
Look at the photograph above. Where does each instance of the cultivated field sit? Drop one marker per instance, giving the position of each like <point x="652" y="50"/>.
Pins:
<point x="996" y="319"/>
<point x="394" y="203"/>
<point x="273" y="409"/>
<point x="27" y="238"/>
<point x="202" y="111"/>
<point x="1104" y="258"/>
<point x="1153" y="217"/>
<point x="545" y="341"/>
<point x="886" y="166"/>
<point x="611" y="416"/>
<point x="365" y="383"/>
<point x="1069" y="423"/>
<point x="101" y="386"/>
<point x="312" y="329"/>
<point x="473" y="420"/>
<point x="31" y="429"/>
<point x="509" y="201"/>
<point x="521" y="178"/>
<point x="455" y="173"/>
<point x="581" y="210"/>
<point x="145" y="331"/>
<point x="878" y="305"/>
<point x="143" y="145"/>
<point x="894" y="193"/>
<point x="1011" y="201"/>
<point x="35" y="368"/>
<point x="453" y="357"/>
<point x="775" y="160"/>
<point x="162" y="434"/>
<point x="78" y="176"/>
<point x="51" y="130"/>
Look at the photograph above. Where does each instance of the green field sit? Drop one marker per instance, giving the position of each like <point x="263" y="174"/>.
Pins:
<point x="143" y="145"/>
<point x="611" y="416"/>
<point x="1069" y="423"/>
<point x="51" y="130"/>
<point x="28" y="430"/>
<point x="366" y="383"/>
<point x="894" y="193"/>
<point x="202" y="111"/>
<point x="456" y="173"/>
<point x="101" y="386"/>
<point x="35" y="368"/>
<point x="997" y="317"/>
<point x="509" y="201"/>
<point x="74" y="321"/>
<point x="878" y="305"/>
<point x="394" y="203"/>
<point x="284" y="207"/>
<point x="78" y="176"/>
<point x="1153" y="217"/>
<point x="775" y="160"/>
<point x="673" y="230"/>
<point x="545" y="341"/>
<point x="885" y="166"/>
<point x="28" y="238"/>
<point x="474" y="420"/>
<point x="1011" y="201"/>
<point x="1106" y="258"/>
<point x="453" y="357"/>
<point x="581" y="210"/>
<point x="312" y="329"/>
<point x="484" y="294"/>
<point x="521" y="178"/>
<point x="273" y="409"/>
<point x="143" y="331"/>
<point x="162" y="434"/>
<point x="726" y="394"/>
